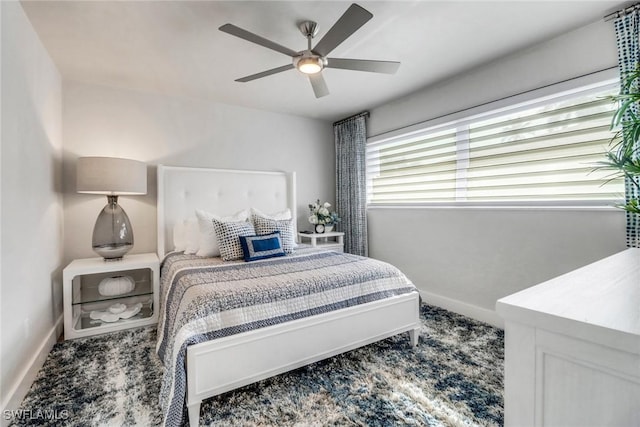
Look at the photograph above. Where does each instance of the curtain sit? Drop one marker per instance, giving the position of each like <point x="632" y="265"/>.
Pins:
<point x="627" y="32"/>
<point x="351" y="186"/>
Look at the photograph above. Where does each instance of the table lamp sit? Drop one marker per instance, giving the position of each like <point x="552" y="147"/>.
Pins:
<point x="113" y="177"/>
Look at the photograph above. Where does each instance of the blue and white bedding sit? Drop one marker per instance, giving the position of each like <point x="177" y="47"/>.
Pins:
<point x="202" y="299"/>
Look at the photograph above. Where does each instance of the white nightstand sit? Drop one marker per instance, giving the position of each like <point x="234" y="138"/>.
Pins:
<point x="81" y="279"/>
<point x="333" y="240"/>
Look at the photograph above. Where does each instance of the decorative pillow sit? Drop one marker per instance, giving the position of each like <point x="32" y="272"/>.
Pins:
<point x="285" y="214"/>
<point x="261" y="247"/>
<point x="228" y="235"/>
<point x="192" y="233"/>
<point x="284" y="226"/>
<point x="208" y="243"/>
<point x="179" y="237"/>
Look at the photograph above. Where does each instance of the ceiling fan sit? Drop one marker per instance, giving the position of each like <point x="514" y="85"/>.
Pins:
<point x="312" y="61"/>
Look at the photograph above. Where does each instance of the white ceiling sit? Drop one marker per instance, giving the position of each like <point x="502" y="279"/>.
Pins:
<point x="175" y="48"/>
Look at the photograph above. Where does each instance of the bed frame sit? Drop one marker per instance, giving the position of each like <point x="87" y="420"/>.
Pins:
<point x="227" y="363"/>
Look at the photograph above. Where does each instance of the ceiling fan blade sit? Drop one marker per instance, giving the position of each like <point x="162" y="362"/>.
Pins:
<point x="254" y="38"/>
<point x="265" y="73"/>
<point x="354" y="18"/>
<point x="319" y="86"/>
<point x="387" y="67"/>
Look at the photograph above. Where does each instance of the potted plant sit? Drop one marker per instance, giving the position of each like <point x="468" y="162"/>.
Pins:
<point x="321" y="217"/>
<point x="624" y="156"/>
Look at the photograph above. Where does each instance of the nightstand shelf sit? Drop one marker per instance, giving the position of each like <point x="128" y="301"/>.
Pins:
<point x="88" y="293"/>
<point x="333" y="240"/>
<point x="81" y="279"/>
<point x="84" y="323"/>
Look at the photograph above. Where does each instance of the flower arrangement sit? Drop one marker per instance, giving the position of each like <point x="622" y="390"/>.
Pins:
<point x="320" y="214"/>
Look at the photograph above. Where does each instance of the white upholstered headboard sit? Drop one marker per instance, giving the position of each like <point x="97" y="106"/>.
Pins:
<point x="182" y="190"/>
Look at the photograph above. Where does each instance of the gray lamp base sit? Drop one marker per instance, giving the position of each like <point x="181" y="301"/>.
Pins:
<point x="112" y="234"/>
<point x="112" y="253"/>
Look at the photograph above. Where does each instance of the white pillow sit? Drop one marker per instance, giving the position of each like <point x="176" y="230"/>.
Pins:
<point x="179" y="237"/>
<point x="208" y="241"/>
<point x="285" y="214"/>
<point x="192" y="233"/>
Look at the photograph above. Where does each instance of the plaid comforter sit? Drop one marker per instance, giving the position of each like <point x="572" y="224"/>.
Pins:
<point x="206" y="298"/>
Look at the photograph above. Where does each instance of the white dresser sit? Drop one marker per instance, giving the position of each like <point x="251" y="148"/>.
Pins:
<point x="572" y="347"/>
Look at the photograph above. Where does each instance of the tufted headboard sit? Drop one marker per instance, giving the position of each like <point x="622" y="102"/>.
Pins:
<point x="182" y="190"/>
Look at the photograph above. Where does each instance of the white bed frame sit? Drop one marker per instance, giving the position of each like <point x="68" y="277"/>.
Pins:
<point x="225" y="364"/>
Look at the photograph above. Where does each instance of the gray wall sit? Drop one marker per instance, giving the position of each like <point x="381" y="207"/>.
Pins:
<point x="31" y="225"/>
<point x="464" y="258"/>
<point x="156" y="129"/>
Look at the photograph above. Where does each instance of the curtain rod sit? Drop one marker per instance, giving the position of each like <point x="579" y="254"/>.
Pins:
<point x="364" y="113"/>
<point x="622" y="12"/>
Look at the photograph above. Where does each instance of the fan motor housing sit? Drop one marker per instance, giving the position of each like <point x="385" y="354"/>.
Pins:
<point x="309" y="63"/>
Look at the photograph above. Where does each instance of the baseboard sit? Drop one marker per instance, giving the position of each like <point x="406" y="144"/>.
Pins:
<point x="466" y="309"/>
<point x="21" y="387"/>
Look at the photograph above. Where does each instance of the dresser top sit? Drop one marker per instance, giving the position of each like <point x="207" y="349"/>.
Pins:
<point x="600" y="301"/>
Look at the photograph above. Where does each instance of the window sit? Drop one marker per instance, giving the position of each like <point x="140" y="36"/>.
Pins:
<point x="539" y="153"/>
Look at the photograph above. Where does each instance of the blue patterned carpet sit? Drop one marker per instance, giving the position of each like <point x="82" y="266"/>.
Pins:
<point x="453" y="378"/>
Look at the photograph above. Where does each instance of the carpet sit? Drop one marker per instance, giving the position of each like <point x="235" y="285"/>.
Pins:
<point x="453" y="378"/>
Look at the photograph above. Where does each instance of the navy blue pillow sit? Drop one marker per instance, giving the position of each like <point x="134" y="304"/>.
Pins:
<point x="262" y="246"/>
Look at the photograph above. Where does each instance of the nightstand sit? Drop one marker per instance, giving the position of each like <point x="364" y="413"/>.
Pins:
<point x="86" y="302"/>
<point x="333" y="240"/>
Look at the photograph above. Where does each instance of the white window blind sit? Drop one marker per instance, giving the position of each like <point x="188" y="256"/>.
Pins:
<point x="415" y="170"/>
<point x="543" y="152"/>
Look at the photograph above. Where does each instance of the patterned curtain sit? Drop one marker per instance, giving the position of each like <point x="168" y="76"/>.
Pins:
<point x="627" y="33"/>
<point x="351" y="182"/>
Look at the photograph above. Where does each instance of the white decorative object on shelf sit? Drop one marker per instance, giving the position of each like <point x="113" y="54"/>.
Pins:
<point x="117" y="285"/>
<point x="117" y="308"/>
<point x="109" y="316"/>
<point x="131" y="311"/>
<point x="105" y="316"/>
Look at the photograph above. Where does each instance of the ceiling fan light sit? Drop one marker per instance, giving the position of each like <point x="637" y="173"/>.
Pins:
<point x="311" y="65"/>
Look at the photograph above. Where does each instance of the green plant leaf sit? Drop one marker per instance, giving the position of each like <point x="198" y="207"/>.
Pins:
<point x="623" y="157"/>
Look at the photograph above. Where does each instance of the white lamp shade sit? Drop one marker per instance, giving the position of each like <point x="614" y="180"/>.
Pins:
<point x="111" y="176"/>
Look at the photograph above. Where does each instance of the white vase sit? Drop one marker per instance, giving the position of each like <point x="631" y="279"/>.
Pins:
<point x="328" y="228"/>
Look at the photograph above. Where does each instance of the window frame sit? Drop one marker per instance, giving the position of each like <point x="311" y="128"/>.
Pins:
<point x="557" y="92"/>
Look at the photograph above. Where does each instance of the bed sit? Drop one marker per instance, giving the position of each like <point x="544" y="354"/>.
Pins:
<point x="244" y="355"/>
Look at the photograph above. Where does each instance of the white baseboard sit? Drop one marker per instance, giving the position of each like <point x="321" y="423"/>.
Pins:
<point x="23" y="384"/>
<point x="469" y="310"/>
